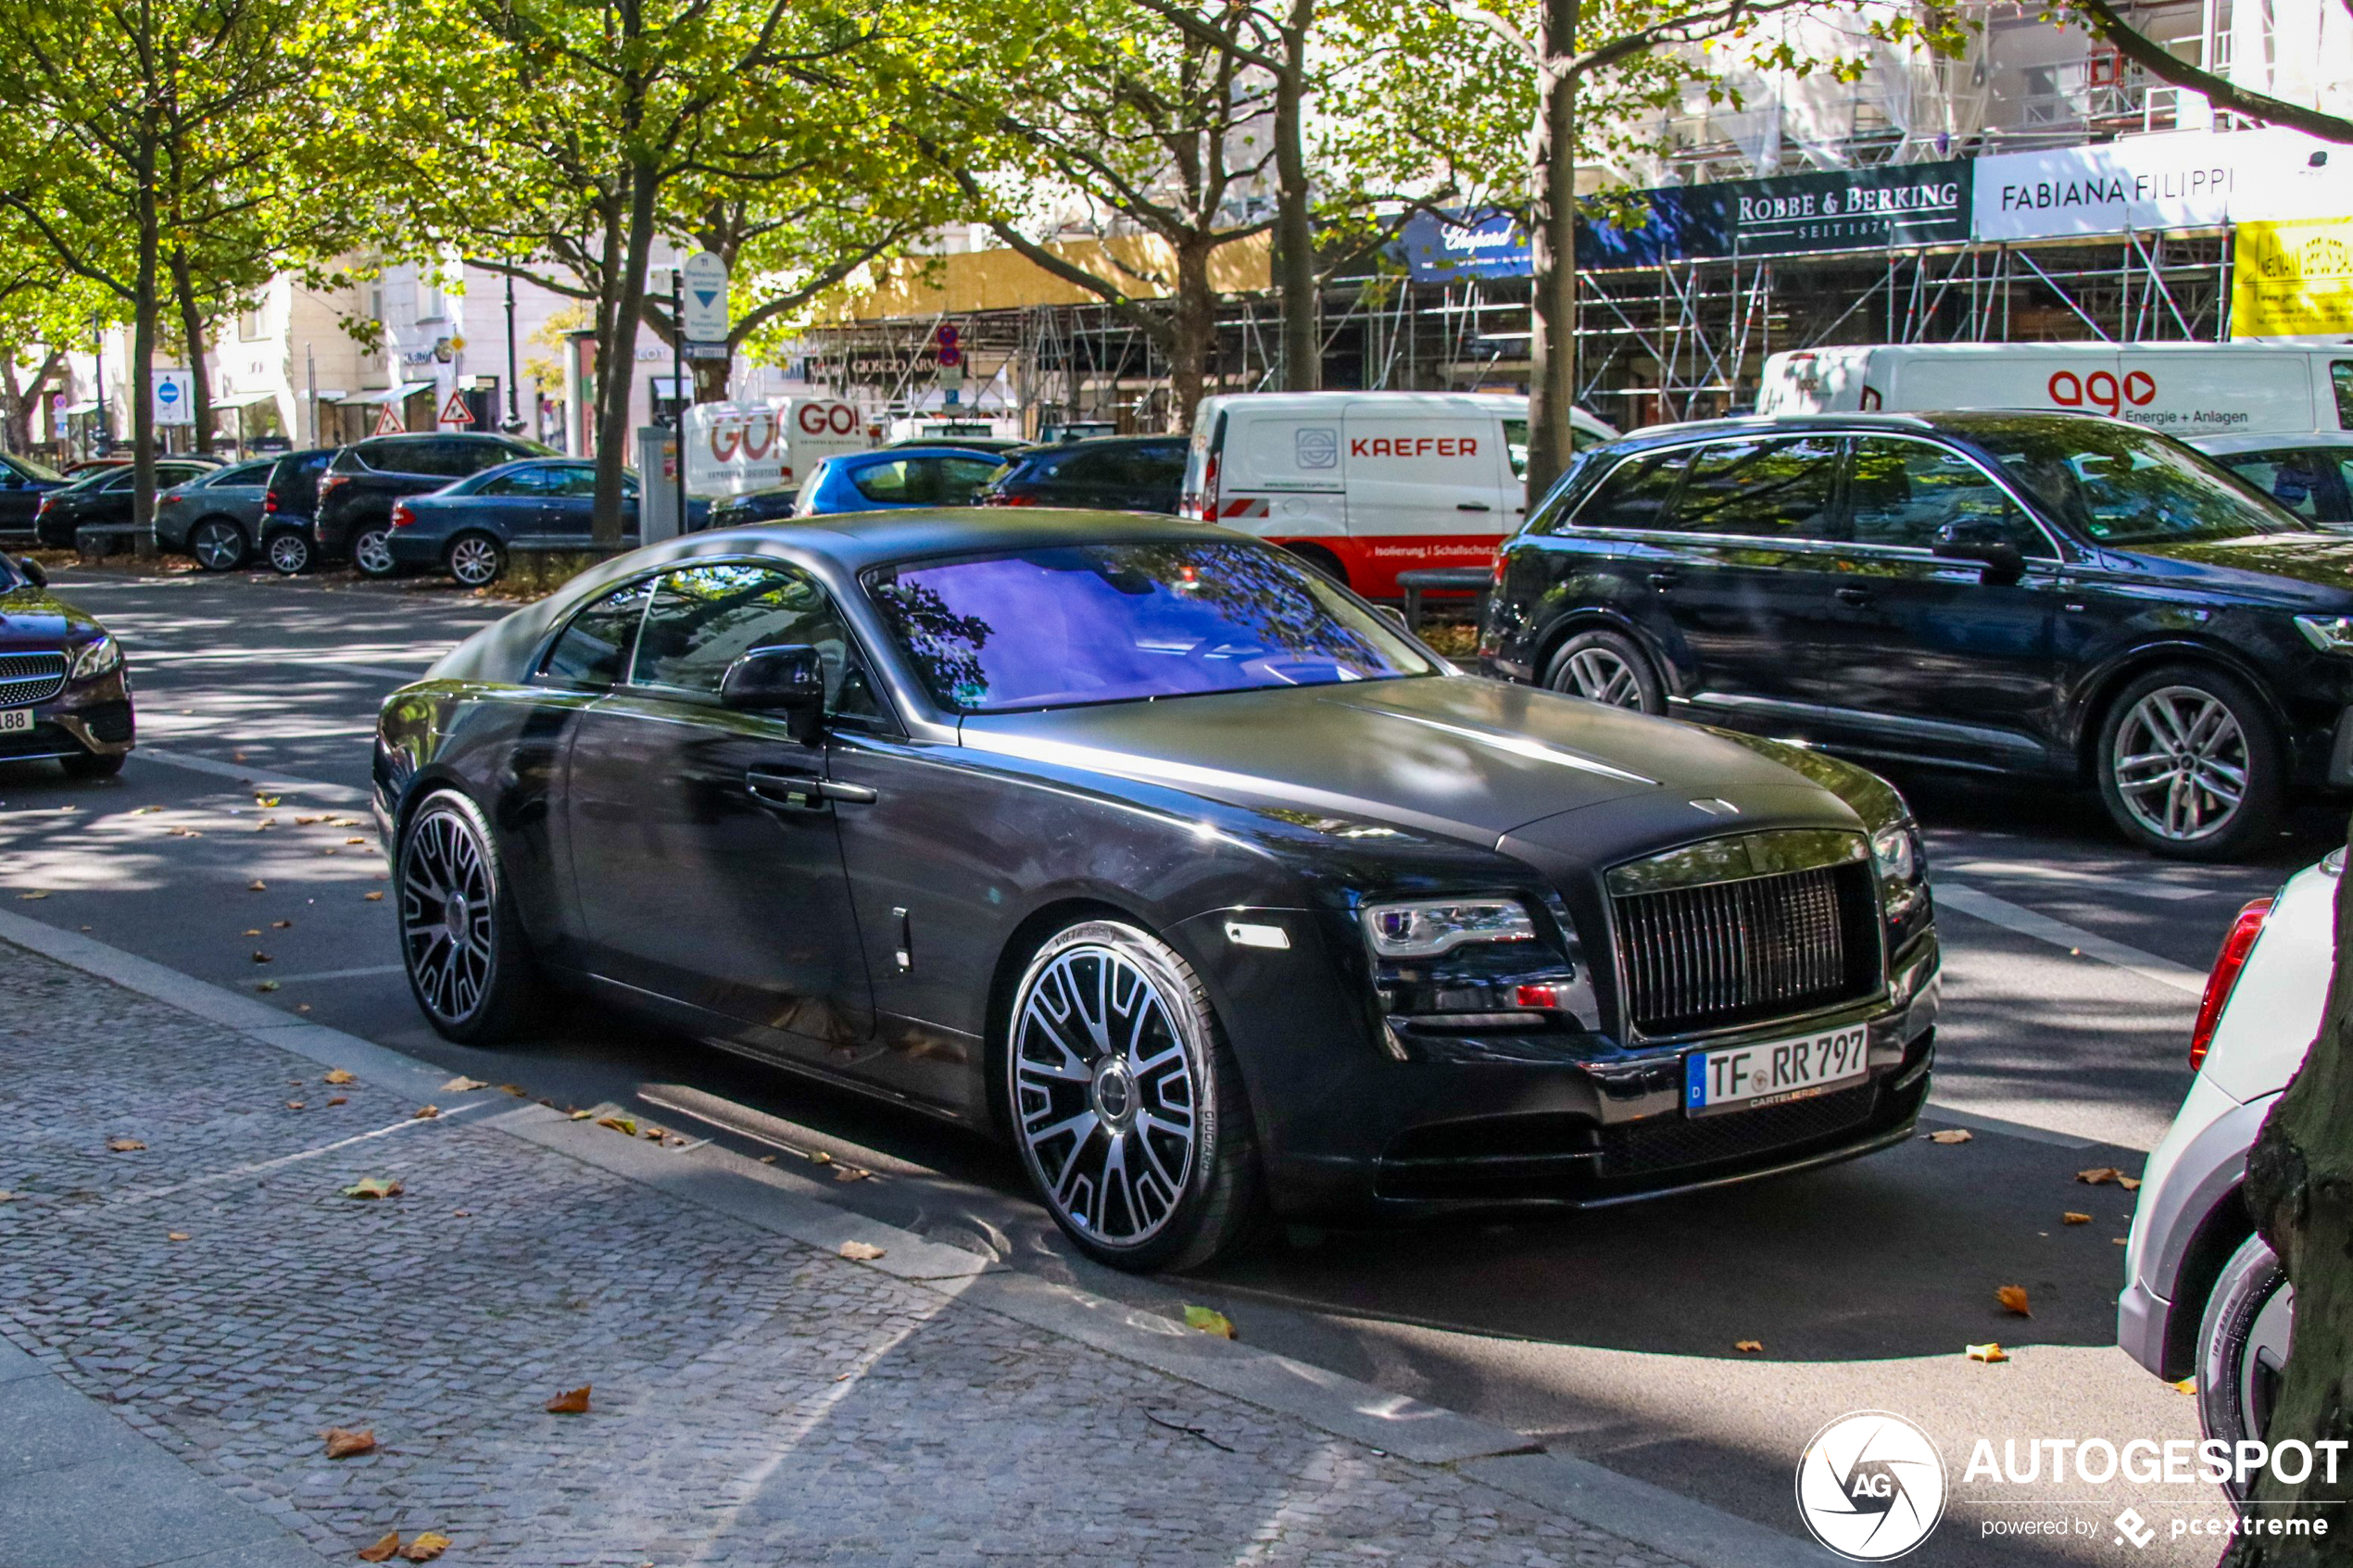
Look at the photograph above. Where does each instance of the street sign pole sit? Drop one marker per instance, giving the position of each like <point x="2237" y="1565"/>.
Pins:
<point x="679" y="392"/>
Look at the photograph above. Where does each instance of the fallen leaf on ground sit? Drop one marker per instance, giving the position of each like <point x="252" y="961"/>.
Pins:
<point x="2099" y="1175"/>
<point x="260" y="956"/>
<point x="339" y="1100"/>
<point x="265" y="800"/>
<point x="2072" y="1218"/>
<point x="256" y="886"/>
<point x="11" y="1197"/>
<point x="254" y="931"/>
<point x="821" y="1158"/>
<point x="620" y="1124"/>
<point x="373" y="898"/>
<point x="2129" y="1184"/>
<point x="342" y="1442"/>
<point x="582" y="1115"/>
<point x="515" y="1089"/>
<point x="2013" y="1298"/>
<point x="1987" y="1353"/>
<point x="125" y="1146"/>
<point x="265" y="825"/>
<point x="1748" y="1346"/>
<point x="461" y="1213"/>
<point x="461" y="1085"/>
<point x="296" y="1104"/>
<point x="281" y="926"/>
<point x="2122" y="1241"/>
<point x="2187" y="1385"/>
<point x="850" y="1173"/>
<point x="425" y="1546"/>
<point x="381" y="1552"/>
<point x="236" y="757"/>
<point x="767" y="1159"/>
<point x="373" y="1187"/>
<point x="267" y="985"/>
<point x="29" y="897"/>
<point x="143" y="810"/>
<point x="574" y="1402"/>
<point x="335" y="1075"/>
<point x="861" y="1251"/>
<point x="1209" y="1320"/>
<point x="306" y="822"/>
<point x="425" y="1113"/>
<point x="1951" y="1135"/>
<point x="175" y="1236"/>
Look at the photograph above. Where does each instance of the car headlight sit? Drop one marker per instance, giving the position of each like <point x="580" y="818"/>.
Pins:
<point x="1893" y="853"/>
<point x="101" y="656"/>
<point x="1423" y="928"/>
<point x="2330" y="634"/>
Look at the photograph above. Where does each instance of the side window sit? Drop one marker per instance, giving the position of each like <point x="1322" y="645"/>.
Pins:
<point x="959" y="477"/>
<point x="1152" y="467"/>
<point x="522" y="481"/>
<point x="463" y="457"/>
<point x="2341" y="378"/>
<point x="1090" y="467"/>
<point x="1516" y="447"/>
<point x="902" y="480"/>
<point x="593" y="649"/>
<point x="1904" y="492"/>
<point x="1760" y="488"/>
<point x="578" y="479"/>
<point x="1636" y="494"/>
<point x="120" y="480"/>
<point x="2292" y="479"/>
<point x="705" y="618"/>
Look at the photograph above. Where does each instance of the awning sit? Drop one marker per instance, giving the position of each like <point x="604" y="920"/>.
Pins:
<point x="243" y="400"/>
<point x="384" y="394"/>
<point x="72" y="410"/>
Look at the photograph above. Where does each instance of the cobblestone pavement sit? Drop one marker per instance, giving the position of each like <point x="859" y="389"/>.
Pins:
<point x="755" y="1400"/>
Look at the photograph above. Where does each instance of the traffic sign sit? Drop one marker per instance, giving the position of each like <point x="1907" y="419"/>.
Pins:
<point x="706" y="297"/>
<point x="175" y="399"/>
<point x="387" y="423"/>
<point x="454" y="411"/>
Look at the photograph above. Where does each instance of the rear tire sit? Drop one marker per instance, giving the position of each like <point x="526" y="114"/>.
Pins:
<point x="2190" y="765"/>
<point x="470" y="965"/>
<point x="1606" y="667"/>
<point x="2243" y="1345"/>
<point x="218" y="544"/>
<point x="1143" y="1151"/>
<point x="289" y="554"/>
<point x="474" y="560"/>
<point x="371" y="552"/>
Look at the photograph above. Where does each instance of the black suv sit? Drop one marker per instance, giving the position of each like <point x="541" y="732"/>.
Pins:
<point x="1120" y="473"/>
<point x="353" y="516"/>
<point x="2054" y="595"/>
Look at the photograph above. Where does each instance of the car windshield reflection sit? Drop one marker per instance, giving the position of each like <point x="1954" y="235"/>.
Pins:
<point x="1126" y="622"/>
<point x="2123" y="486"/>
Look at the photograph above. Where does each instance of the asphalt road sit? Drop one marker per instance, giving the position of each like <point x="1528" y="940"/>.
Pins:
<point x="2072" y="971"/>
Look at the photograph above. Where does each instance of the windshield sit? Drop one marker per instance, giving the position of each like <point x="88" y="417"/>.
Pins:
<point x="31" y="468"/>
<point x="2118" y="485"/>
<point x="1089" y="624"/>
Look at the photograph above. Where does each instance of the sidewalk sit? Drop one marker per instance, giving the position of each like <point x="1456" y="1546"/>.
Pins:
<point x="758" y="1398"/>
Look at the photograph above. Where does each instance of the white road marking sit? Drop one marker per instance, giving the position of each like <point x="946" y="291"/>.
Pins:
<point x="144" y="1195"/>
<point x="2043" y="928"/>
<point x="2068" y="875"/>
<point x="247" y="773"/>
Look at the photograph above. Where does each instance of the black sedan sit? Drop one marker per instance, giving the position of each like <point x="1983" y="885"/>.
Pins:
<point x="105" y="498"/>
<point x="1129" y="473"/>
<point x="2052" y="595"/>
<point x="22" y="483"/>
<point x="64" y="692"/>
<point x="1141" y="843"/>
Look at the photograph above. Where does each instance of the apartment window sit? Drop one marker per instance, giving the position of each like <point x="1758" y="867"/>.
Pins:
<point x="252" y="324"/>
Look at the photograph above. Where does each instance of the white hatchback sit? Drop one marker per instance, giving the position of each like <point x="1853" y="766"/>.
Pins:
<point x="2203" y="1297"/>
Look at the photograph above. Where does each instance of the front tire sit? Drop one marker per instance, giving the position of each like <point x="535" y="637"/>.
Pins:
<point x="2242" y="1346"/>
<point x="1126" y="1104"/>
<point x="1606" y="667"/>
<point x="475" y="560"/>
<point x="470" y="965"/>
<point x="371" y="552"/>
<point x="218" y="544"/>
<point x="289" y="554"/>
<point x="2190" y="764"/>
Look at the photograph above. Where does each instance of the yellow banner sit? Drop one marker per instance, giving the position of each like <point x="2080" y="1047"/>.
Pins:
<point x="2293" y="278"/>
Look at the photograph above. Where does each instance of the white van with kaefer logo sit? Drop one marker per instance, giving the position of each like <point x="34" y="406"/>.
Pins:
<point x="1368" y="484"/>
<point x="2189" y="390"/>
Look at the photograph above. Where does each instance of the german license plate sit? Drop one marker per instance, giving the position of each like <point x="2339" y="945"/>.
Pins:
<point x="1770" y="1071"/>
<point x="13" y="720"/>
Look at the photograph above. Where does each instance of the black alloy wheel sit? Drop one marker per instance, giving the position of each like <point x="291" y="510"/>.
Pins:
<point x="1126" y="1104"/>
<point x="1606" y="667"/>
<point x="470" y="966"/>
<point x="218" y="544"/>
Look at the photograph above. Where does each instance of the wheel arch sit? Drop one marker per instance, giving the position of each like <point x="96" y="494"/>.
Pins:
<point x="1605" y="618"/>
<point x="2221" y="1233"/>
<point x="2089" y="716"/>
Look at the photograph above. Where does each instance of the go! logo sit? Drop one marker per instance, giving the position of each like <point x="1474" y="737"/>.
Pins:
<point x="2102" y="389"/>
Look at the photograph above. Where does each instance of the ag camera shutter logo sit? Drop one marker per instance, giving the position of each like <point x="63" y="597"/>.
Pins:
<point x="1870" y="1486"/>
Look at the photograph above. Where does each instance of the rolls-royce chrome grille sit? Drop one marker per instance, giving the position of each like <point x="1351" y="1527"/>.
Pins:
<point x="28" y="678"/>
<point x="1715" y="954"/>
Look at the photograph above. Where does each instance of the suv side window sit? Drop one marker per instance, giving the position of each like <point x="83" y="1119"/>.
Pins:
<point x="1098" y="467"/>
<point x="595" y="649"/>
<point x="465" y="457"/>
<point x="705" y="618"/>
<point x="1761" y="487"/>
<point x="1636" y="494"/>
<point x="1903" y="492"/>
<point x="2294" y="479"/>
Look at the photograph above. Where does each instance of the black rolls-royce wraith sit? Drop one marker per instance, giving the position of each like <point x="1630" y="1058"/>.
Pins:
<point x="1187" y="870"/>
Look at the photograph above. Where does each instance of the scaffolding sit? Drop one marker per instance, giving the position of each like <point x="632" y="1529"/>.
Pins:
<point x="1684" y="340"/>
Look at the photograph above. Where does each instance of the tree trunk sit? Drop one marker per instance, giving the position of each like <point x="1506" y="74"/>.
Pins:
<point x="144" y="307"/>
<point x="1552" y="387"/>
<point x="184" y="287"/>
<point x="1192" y="330"/>
<point x="1295" y="217"/>
<point x="2299" y="1186"/>
<point x="617" y="361"/>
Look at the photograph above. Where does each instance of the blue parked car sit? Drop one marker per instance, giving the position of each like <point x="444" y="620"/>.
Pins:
<point x="896" y="476"/>
<point x="468" y="528"/>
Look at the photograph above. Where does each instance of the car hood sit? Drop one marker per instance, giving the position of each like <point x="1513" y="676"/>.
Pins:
<point x="2288" y="569"/>
<point x="1464" y="757"/>
<point x="34" y="619"/>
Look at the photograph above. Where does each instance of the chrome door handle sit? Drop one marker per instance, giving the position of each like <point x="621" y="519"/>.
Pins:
<point x="784" y="791"/>
<point x="1473" y="506"/>
<point x="1663" y="580"/>
<point x="847" y="794"/>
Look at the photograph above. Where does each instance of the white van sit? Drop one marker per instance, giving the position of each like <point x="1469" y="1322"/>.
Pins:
<point x="2189" y="389"/>
<point x="1368" y="484"/>
<point x="737" y="448"/>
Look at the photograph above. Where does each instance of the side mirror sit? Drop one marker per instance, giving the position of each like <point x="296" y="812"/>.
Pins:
<point x="2000" y="559"/>
<point x="789" y="680"/>
<point x="34" y="572"/>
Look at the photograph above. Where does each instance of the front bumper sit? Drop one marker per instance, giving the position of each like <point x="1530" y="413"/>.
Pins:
<point x="91" y="718"/>
<point x="1353" y="1129"/>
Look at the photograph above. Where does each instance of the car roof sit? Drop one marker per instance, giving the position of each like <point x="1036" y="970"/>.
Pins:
<point x="855" y="541"/>
<point x="915" y="450"/>
<point x="1961" y="422"/>
<point x="2272" y="441"/>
